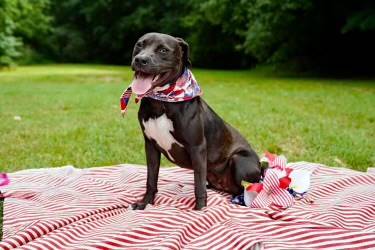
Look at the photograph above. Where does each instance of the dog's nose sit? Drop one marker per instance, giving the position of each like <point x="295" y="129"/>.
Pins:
<point x="142" y="60"/>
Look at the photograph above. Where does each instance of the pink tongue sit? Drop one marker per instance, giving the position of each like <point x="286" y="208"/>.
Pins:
<point x="141" y="84"/>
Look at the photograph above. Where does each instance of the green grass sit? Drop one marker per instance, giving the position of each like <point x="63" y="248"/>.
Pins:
<point x="70" y="115"/>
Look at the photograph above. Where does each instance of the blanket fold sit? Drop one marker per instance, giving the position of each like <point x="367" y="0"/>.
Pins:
<point x="69" y="208"/>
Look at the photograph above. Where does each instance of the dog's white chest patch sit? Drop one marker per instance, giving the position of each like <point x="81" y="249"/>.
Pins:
<point x="160" y="130"/>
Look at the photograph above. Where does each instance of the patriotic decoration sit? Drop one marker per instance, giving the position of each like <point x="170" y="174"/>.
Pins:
<point x="250" y="193"/>
<point x="69" y="208"/>
<point x="279" y="186"/>
<point x="124" y="100"/>
<point x="273" y="192"/>
<point x="184" y="89"/>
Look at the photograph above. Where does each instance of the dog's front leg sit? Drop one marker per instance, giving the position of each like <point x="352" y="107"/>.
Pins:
<point x="153" y="165"/>
<point x="198" y="156"/>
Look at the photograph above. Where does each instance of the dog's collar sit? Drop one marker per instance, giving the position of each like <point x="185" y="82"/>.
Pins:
<point x="185" y="88"/>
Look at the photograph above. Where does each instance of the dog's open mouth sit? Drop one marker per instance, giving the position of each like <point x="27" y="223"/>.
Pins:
<point x="143" y="82"/>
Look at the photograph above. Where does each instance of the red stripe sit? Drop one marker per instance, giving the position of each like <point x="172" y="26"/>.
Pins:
<point x="88" y="209"/>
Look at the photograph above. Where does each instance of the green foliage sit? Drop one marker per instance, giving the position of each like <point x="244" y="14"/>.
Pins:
<point x="268" y="35"/>
<point x="107" y="30"/>
<point x="21" y="21"/>
<point x="307" y="33"/>
<point x="259" y="28"/>
<point x="362" y="20"/>
<point x="9" y="45"/>
<point x="9" y="49"/>
<point x="214" y="34"/>
<point x="311" y="34"/>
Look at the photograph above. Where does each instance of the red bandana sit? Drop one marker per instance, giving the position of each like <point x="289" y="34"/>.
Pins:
<point x="185" y="88"/>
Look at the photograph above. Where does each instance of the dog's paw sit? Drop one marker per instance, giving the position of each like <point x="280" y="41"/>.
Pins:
<point x="139" y="206"/>
<point x="200" y="203"/>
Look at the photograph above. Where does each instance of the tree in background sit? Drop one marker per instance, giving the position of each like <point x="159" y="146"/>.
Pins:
<point x="306" y="34"/>
<point x="106" y="30"/>
<point x="9" y="44"/>
<point x="23" y="24"/>
<point x="215" y="32"/>
<point x="309" y="34"/>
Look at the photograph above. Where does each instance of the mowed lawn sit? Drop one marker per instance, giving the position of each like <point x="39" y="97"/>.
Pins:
<point x="70" y="115"/>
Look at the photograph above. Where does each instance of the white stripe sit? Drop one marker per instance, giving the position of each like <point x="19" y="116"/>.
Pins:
<point x="88" y="208"/>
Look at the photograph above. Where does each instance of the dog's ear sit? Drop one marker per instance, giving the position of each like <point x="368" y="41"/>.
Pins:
<point x="185" y="50"/>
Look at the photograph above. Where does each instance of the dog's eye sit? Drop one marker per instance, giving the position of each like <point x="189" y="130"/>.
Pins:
<point x="163" y="50"/>
<point x="138" y="44"/>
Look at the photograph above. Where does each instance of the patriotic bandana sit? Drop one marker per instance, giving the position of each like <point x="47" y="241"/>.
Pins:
<point x="184" y="89"/>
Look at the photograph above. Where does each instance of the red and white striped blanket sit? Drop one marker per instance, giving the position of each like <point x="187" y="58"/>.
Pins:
<point x="68" y="208"/>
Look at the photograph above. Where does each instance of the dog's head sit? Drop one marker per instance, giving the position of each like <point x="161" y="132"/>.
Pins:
<point x="158" y="59"/>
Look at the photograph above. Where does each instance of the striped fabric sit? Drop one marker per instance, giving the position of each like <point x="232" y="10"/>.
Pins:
<point x="272" y="194"/>
<point x="124" y="100"/>
<point x="67" y="208"/>
<point x="185" y="88"/>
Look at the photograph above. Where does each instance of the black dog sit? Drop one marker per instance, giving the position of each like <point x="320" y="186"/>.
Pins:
<point x="189" y="133"/>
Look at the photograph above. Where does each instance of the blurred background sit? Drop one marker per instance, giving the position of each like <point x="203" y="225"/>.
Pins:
<point x="333" y="37"/>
